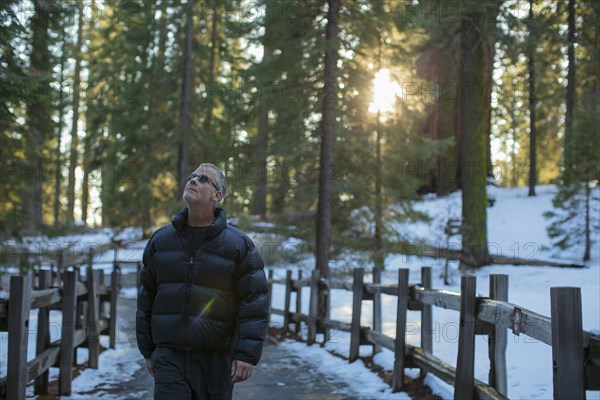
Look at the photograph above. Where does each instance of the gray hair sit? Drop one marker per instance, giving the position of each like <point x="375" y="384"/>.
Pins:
<point x="221" y="180"/>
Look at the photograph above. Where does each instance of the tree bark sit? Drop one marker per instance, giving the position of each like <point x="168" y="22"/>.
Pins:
<point x="323" y="240"/>
<point x="90" y="122"/>
<point x="74" y="138"/>
<point x="588" y="233"/>
<point x="39" y="122"/>
<point x="259" y="201"/>
<point x="214" y="40"/>
<point x="447" y="126"/>
<point x="61" y="108"/>
<point x="570" y="101"/>
<point x="186" y="99"/>
<point x="473" y="161"/>
<point x="532" y="102"/>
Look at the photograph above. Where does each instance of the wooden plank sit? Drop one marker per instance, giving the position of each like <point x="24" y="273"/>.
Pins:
<point x="18" y="330"/>
<point x="464" y="386"/>
<point x="313" y="307"/>
<point x="300" y="283"/>
<point x="46" y="296"/>
<point x="447" y="373"/>
<point x="500" y="313"/>
<point x="388" y="289"/>
<point x="377" y="323"/>
<point x="497" y="340"/>
<point x="114" y="295"/>
<point x="43" y="333"/>
<point x="340" y="284"/>
<point x="439" y="298"/>
<point x="68" y="332"/>
<point x="39" y="366"/>
<point x="338" y="325"/>
<point x="298" y="317"/>
<point x="357" y="293"/>
<point x="567" y="343"/>
<point x="382" y="340"/>
<point x="288" y="299"/>
<point x="400" y="342"/>
<point x="298" y="302"/>
<point x="92" y="317"/>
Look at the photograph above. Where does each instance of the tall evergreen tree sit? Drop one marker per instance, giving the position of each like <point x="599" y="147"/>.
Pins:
<point x="39" y="121"/>
<point x="532" y="100"/>
<point x="73" y="157"/>
<point x="329" y="100"/>
<point x="473" y="161"/>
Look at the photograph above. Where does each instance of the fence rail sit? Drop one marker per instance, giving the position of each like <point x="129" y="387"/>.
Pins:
<point x="84" y="319"/>
<point x="575" y="352"/>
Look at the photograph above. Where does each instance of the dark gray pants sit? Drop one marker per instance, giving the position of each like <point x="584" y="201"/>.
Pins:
<point x="191" y="375"/>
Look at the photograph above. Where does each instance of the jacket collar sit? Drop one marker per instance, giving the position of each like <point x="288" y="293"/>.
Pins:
<point x="214" y="229"/>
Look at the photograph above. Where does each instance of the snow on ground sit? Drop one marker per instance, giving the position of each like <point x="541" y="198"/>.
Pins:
<point x="361" y="381"/>
<point x="516" y="227"/>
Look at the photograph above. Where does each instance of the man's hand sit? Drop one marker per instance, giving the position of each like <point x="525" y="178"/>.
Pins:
<point x="240" y="371"/>
<point x="149" y="366"/>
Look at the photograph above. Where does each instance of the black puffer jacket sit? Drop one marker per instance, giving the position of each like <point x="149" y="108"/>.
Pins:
<point x="214" y="301"/>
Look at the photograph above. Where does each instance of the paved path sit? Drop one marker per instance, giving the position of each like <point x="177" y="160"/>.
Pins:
<point x="280" y="374"/>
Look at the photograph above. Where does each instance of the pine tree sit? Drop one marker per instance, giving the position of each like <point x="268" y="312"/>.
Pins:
<point x="577" y="202"/>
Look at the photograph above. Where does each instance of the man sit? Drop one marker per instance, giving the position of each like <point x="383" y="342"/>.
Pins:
<point x="202" y="307"/>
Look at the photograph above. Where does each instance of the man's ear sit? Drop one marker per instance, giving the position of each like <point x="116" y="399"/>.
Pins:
<point x="218" y="196"/>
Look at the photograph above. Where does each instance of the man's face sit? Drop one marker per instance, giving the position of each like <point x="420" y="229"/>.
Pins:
<point x="197" y="193"/>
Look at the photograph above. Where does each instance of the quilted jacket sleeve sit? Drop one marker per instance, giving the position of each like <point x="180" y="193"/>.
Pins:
<point x="252" y="295"/>
<point x="145" y="301"/>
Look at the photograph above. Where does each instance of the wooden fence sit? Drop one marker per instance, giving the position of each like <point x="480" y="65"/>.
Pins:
<point x="84" y="318"/>
<point x="575" y="352"/>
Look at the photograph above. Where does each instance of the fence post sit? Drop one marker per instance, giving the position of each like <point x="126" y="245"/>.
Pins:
<point x="68" y="332"/>
<point x="270" y="295"/>
<point x="497" y="339"/>
<point x="18" y="332"/>
<point x="313" y="307"/>
<point x="92" y="323"/>
<point x="567" y="343"/>
<point x="299" y="304"/>
<point x="357" y="296"/>
<point x="377" y="324"/>
<point x="43" y="332"/>
<point x="426" y="317"/>
<point x="114" y="295"/>
<point x="288" y="297"/>
<point x="464" y="386"/>
<point x="400" y="342"/>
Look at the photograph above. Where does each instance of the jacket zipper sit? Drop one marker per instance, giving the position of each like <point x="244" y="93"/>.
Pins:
<point x="188" y="289"/>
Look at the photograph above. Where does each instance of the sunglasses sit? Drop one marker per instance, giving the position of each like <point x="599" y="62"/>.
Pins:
<point x="203" y="179"/>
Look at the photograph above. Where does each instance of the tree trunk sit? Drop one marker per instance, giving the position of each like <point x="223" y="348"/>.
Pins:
<point x="588" y="232"/>
<point x="447" y="127"/>
<point x="532" y="102"/>
<point x="570" y="101"/>
<point x="39" y="121"/>
<point x="61" y="108"/>
<point x="90" y="122"/>
<point x="259" y="201"/>
<point x="473" y="161"/>
<point x="214" y="40"/>
<point x="74" y="138"/>
<point x="323" y="240"/>
<point x="186" y="100"/>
